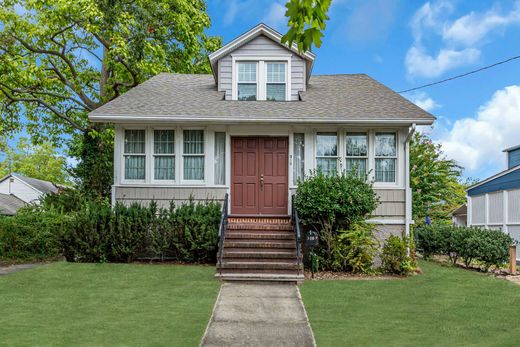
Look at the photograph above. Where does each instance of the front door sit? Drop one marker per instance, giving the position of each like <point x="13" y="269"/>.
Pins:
<point x="259" y="175"/>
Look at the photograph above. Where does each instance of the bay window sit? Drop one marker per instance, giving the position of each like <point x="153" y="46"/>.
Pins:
<point x="247" y="84"/>
<point x="385" y="157"/>
<point x="164" y="155"/>
<point x="193" y="155"/>
<point x="327" y="153"/>
<point x="134" y="154"/>
<point x="275" y="82"/>
<point x="356" y="154"/>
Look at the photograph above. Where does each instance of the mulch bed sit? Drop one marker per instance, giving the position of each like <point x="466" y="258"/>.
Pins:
<point x="329" y="275"/>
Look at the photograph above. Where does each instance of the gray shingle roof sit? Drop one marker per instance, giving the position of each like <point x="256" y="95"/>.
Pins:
<point x="43" y="186"/>
<point x="329" y="98"/>
<point x="9" y="204"/>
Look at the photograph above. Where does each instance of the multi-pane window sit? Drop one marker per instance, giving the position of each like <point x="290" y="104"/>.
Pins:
<point x="193" y="154"/>
<point x="247" y="81"/>
<point x="220" y="158"/>
<point x="275" y="83"/>
<point x="134" y="154"/>
<point x="356" y="154"/>
<point x="385" y="157"/>
<point x="164" y="154"/>
<point x="327" y="153"/>
<point x="298" y="157"/>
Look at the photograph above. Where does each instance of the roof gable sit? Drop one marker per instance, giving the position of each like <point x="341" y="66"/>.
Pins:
<point x="260" y="29"/>
<point x="505" y="180"/>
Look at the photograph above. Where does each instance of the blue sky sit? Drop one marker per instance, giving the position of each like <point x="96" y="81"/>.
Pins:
<point x="404" y="44"/>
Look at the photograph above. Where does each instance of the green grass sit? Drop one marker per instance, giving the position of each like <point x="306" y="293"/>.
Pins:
<point x="443" y="307"/>
<point x="106" y="305"/>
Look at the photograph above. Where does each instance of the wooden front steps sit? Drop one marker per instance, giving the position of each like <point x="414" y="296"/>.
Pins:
<point x="259" y="249"/>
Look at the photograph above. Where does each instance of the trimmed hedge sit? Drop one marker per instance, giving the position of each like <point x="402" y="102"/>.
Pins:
<point x="491" y="247"/>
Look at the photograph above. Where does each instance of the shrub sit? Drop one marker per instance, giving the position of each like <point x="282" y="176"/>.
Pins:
<point x="330" y="203"/>
<point x="31" y="234"/>
<point x="491" y="247"/>
<point x="395" y="258"/>
<point x="354" y="249"/>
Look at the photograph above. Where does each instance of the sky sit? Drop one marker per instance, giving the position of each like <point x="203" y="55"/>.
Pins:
<point x="405" y="44"/>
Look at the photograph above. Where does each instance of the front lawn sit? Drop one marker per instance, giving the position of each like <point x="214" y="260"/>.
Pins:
<point x="69" y="304"/>
<point x="443" y="307"/>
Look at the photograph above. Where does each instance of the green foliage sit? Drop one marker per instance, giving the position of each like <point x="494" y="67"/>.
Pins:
<point x="37" y="161"/>
<point x="354" y="250"/>
<point x="395" y="258"/>
<point x="306" y="21"/>
<point x="491" y="247"/>
<point x="330" y="203"/>
<point x="435" y="181"/>
<point x="31" y="234"/>
<point x="98" y="233"/>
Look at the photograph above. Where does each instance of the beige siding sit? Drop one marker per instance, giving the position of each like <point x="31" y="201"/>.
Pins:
<point x="392" y="204"/>
<point x="163" y="195"/>
<point x="262" y="46"/>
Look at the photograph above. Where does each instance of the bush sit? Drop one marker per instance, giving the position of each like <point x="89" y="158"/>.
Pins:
<point x="395" y="258"/>
<point x="491" y="247"/>
<point x="100" y="233"/>
<point x="353" y="250"/>
<point x="331" y="203"/>
<point x="31" y="234"/>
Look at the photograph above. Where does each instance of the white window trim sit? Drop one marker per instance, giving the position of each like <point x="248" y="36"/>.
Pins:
<point x="205" y="150"/>
<point x="396" y="157"/>
<point x="261" y="73"/>
<point x="145" y="154"/>
<point x="338" y="156"/>
<point x="153" y="155"/>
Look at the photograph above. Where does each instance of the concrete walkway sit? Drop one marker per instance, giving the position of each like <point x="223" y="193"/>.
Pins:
<point x="258" y="315"/>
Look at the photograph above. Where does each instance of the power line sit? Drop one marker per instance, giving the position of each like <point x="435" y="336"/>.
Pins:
<point x="462" y="75"/>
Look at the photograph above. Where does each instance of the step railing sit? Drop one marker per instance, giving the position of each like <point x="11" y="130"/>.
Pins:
<point x="297" y="233"/>
<point x="222" y="232"/>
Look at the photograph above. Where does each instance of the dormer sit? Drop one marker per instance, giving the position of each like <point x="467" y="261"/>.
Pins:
<point x="513" y="156"/>
<point x="258" y="66"/>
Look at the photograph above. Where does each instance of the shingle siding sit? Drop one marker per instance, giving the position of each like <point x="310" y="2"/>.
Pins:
<point x="513" y="158"/>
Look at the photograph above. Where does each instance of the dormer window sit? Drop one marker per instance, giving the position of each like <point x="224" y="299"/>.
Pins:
<point x="247" y="84"/>
<point x="261" y="78"/>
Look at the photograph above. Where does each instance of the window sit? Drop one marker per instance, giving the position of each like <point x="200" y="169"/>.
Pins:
<point x="327" y="153"/>
<point x="220" y="158"/>
<point x="193" y="154"/>
<point x="164" y="154"/>
<point x="275" y="82"/>
<point x="357" y="154"/>
<point x="386" y="157"/>
<point x="134" y="154"/>
<point x="246" y="81"/>
<point x="298" y="157"/>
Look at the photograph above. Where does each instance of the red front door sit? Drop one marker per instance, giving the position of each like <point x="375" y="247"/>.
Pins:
<point x="259" y="175"/>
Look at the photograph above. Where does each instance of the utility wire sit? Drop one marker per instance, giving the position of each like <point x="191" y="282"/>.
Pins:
<point x="462" y="75"/>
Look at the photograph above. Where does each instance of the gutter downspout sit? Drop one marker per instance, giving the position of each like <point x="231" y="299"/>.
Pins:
<point x="408" y="191"/>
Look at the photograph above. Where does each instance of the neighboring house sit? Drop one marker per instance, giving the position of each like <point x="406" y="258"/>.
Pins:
<point x="9" y="204"/>
<point x="27" y="189"/>
<point x="256" y="126"/>
<point x="494" y="203"/>
<point x="460" y="216"/>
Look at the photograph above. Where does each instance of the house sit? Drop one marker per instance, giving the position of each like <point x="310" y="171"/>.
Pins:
<point x="494" y="203"/>
<point x="18" y="190"/>
<point x="460" y="216"/>
<point x="257" y="125"/>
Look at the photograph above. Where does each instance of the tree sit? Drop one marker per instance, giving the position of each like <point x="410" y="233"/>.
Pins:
<point x="306" y="21"/>
<point x="60" y="59"/>
<point x="435" y="181"/>
<point x="35" y="161"/>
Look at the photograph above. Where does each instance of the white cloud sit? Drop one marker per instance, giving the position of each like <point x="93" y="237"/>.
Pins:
<point x="477" y="143"/>
<point x="275" y="16"/>
<point x="419" y="63"/>
<point x="460" y="39"/>
<point x="424" y="101"/>
<point x="474" y="27"/>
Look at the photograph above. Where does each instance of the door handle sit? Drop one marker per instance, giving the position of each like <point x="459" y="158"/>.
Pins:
<point x="262" y="181"/>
